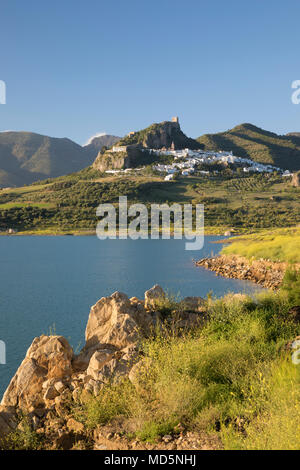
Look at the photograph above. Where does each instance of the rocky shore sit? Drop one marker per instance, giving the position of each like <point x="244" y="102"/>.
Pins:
<point x="51" y="378"/>
<point x="263" y="272"/>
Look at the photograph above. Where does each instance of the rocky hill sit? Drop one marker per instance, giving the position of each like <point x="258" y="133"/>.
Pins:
<point x="166" y="134"/>
<point x="132" y="150"/>
<point x="258" y="144"/>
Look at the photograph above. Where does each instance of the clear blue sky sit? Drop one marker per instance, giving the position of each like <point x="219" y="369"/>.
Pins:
<point x="77" y="68"/>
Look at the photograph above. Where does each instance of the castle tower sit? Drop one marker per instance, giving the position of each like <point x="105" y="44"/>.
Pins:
<point x="175" y="119"/>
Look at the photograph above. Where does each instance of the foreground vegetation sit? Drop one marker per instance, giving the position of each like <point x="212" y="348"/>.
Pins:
<point x="275" y="245"/>
<point x="231" y="200"/>
<point x="232" y="378"/>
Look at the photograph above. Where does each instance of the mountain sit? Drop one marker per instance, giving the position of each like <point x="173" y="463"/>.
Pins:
<point x="165" y="134"/>
<point x="26" y="157"/>
<point x="258" y="144"/>
<point x="131" y="151"/>
<point x="96" y="143"/>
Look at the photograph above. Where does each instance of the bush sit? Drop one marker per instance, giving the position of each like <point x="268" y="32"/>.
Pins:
<point x="229" y="375"/>
<point x="291" y="285"/>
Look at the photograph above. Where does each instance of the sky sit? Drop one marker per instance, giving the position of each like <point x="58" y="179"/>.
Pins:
<point x="78" y="68"/>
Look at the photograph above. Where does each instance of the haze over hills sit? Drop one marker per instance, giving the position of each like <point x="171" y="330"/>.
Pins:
<point x="26" y="157"/>
<point x="249" y="141"/>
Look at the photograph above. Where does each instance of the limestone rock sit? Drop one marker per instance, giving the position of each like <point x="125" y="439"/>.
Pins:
<point x="296" y="179"/>
<point x="153" y="295"/>
<point x="48" y="357"/>
<point x="98" y="360"/>
<point x="8" y="421"/>
<point x="75" y="426"/>
<point x="115" y="322"/>
<point x="50" y="393"/>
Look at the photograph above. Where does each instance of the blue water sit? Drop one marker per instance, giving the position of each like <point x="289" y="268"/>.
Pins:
<point x="48" y="281"/>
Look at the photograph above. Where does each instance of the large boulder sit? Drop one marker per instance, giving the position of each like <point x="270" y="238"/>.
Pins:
<point x="49" y="357"/>
<point x="97" y="362"/>
<point x="115" y="322"/>
<point x="153" y="296"/>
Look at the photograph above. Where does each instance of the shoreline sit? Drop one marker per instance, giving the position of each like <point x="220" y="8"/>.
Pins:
<point x="92" y="232"/>
<point x="268" y="274"/>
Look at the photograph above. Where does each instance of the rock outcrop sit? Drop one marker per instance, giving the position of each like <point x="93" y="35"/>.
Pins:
<point x="47" y="360"/>
<point x="296" y="179"/>
<point x="133" y="151"/>
<point x="153" y="296"/>
<point x="51" y="374"/>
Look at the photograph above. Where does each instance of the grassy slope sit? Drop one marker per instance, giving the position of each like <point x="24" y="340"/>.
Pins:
<point x="68" y="203"/>
<point x="275" y="245"/>
<point x="252" y="142"/>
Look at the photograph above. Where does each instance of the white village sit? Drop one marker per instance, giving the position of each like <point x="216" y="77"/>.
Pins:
<point x="186" y="162"/>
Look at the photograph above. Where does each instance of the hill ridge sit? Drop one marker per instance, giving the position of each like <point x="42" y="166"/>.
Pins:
<point x="249" y="141"/>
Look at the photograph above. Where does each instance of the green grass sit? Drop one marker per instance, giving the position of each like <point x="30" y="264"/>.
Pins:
<point x="276" y="245"/>
<point x="230" y="378"/>
<point x="276" y="426"/>
<point x="24" y="438"/>
<point x="69" y="203"/>
<point x="40" y="205"/>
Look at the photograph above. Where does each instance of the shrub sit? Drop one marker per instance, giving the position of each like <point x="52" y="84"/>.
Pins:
<point x="291" y="285"/>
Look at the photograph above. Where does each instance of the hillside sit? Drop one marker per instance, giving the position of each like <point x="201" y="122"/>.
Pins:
<point x="260" y="145"/>
<point x="68" y="203"/>
<point x="158" y="135"/>
<point x="26" y="157"/>
<point x="133" y="148"/>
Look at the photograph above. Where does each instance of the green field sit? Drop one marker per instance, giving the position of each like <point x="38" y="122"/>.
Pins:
<point x="231" y="200"/>
<point x="282" y="245"/>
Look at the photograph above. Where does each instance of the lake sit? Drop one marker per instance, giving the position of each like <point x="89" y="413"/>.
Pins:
<point x="49" y="283"/>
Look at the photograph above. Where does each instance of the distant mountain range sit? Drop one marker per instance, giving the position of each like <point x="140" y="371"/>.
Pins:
<point x="262" y="146"/>
<point x="96" y="143"/>
<point x="26" y="157"/>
